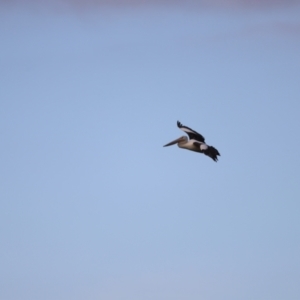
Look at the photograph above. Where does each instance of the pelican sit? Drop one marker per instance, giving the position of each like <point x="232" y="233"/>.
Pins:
<point x="195" y="143"/>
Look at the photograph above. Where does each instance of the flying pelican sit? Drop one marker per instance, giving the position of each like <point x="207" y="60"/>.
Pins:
<point x="195" y="143"/>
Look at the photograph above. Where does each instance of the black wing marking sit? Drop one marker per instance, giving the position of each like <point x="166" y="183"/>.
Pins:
<point x="197" y="144"/>
<point x="212" y="152"/>
<point x="191" y="133"/>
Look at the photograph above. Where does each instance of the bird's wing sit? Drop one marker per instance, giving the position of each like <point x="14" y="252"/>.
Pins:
<point x="202" y="146"/>
<point x="191" y="133"/>
<point x="210" y="151"/>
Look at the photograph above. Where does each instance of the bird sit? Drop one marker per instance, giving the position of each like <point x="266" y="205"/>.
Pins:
<point x="195" y="143"/>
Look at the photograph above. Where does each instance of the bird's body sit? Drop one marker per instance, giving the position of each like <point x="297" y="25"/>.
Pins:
<point x="195" y="143"/>
<point x="192" y="144"/>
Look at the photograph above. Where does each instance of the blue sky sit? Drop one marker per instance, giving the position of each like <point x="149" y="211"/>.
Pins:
<point x="92" y="205"/>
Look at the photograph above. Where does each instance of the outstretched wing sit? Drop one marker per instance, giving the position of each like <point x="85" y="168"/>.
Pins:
<point x="193" y="135"/>
<point x="212" y="152"/>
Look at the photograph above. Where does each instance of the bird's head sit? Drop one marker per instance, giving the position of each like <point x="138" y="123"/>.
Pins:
<point x="177" y="141"/>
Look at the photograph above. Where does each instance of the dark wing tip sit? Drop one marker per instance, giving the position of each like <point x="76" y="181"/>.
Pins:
<point x="179" y="124"/>
<point x="215" y="158"/>
<point x="212" y="152"/>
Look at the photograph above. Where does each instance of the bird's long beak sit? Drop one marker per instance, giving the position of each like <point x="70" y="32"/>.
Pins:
<point x="173" y="142"/>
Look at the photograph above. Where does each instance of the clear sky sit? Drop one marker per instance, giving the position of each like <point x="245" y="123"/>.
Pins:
<point x="93" y="207"/>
